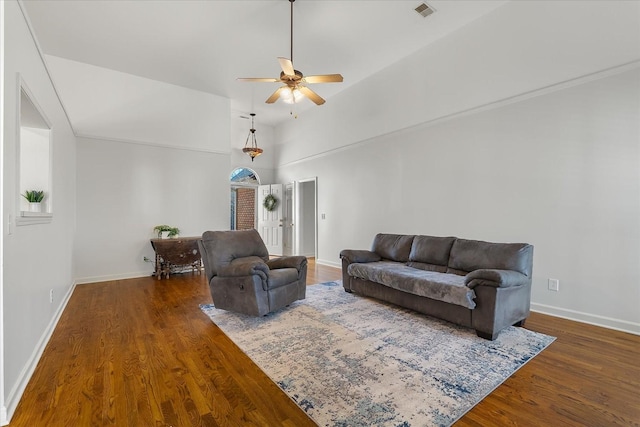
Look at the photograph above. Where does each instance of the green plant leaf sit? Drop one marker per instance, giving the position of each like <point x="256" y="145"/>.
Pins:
<point x="33" y="196"/>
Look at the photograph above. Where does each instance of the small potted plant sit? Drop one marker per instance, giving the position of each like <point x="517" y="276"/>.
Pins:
<point x="165" y="231"/>
<point x="34" y="197"/>
<point x="173" y="232"/>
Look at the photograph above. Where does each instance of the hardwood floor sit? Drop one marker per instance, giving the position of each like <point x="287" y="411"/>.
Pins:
<point x="139" y="352"/>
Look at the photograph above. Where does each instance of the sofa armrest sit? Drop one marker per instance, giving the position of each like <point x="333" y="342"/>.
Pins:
<point x="495" y="278"/>
<point x="354" y="255"/>
<point x="296" y="262"/>
<point x="244" y="267"/>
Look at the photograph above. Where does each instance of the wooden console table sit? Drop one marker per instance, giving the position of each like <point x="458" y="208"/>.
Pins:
<point x="179" y="253"/>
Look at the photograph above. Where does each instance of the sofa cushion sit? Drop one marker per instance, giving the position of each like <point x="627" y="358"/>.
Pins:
<point x="395" y="247"/>
<point x="430" y="253"/>
<point x="470" y="255"/>
<point x="449" y="288"/>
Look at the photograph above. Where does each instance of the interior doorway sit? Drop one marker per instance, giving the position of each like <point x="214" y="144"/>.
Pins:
<point x="288" y="220"/>
<point x="306" y="217"/>
<point x="244" y="185"/>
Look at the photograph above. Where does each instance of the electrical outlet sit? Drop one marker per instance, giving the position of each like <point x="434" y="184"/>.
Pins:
<point x="51" y="296"/>
<point x="554" y="285"/>
<point x="324" y="216"/>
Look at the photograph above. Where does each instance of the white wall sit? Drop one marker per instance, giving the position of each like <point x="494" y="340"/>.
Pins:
<point x="557" y="167"/>
<point x="560" y="171"/>
<point x="125" y="189"/>
<point x="149" y="153"/>
<point x="36" y="258"/>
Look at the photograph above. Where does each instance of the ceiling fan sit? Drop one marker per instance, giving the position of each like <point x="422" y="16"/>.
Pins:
<point x="294" y="81"/>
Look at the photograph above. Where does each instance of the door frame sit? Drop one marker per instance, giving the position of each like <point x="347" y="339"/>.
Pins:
<point x="298" y="213"/>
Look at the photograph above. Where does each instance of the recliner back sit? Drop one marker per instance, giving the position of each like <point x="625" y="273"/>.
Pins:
<point x="219" y="248"/>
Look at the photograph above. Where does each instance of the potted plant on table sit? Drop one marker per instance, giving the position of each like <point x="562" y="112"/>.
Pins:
<point x="34" y="197"/>
<point x="166" y="231"/>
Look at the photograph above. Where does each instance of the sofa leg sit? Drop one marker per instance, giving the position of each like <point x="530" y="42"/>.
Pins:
<point x="520" y="324"/>
<point x="487" y="335"/>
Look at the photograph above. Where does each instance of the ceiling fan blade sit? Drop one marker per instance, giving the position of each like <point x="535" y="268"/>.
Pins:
<point x="275" y="95"/>
<point x="311" y="95"/>
<point x="287" y="66"/>
<point x="323" y="78"/>
<point x="257" y="79"/>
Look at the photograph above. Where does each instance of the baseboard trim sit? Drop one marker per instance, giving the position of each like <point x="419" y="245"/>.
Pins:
<point x="328" y="263"/>
<point x="3" y="416"/>
<point x="14" y="396"/>
<point x="109" y="277"/>
<point x="590" y="319"/>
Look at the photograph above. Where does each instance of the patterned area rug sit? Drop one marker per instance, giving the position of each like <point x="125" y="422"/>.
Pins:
<point x="352" y="361"/>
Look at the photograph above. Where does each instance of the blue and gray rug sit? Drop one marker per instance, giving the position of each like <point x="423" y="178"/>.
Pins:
<point x="354" y="361"/>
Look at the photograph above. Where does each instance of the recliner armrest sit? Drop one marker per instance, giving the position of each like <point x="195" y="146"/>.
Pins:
<point x="244" y="267"/>
<point x="355" y="255"/>
<point x="297" y="262"/>
<point x="495" y="278"/>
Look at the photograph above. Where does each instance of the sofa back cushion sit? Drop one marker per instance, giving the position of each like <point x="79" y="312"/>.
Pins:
<point x="394" y="247"/>
<point x="470" y="255"/>
<point x="430" y="253"/>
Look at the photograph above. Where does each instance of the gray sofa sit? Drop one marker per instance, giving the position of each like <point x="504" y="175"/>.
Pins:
<point x="481" y="285"/>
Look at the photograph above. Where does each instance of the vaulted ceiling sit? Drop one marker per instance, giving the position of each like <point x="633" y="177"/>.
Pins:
<point x="206" y="45"/>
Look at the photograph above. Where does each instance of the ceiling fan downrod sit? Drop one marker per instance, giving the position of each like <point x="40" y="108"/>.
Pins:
<point x="291" y="57"/>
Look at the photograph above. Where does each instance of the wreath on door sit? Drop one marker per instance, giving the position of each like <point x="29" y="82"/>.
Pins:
<point x="270" y="202"/>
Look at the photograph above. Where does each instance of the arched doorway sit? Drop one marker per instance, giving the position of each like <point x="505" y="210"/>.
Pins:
<point x="244" y="185"/>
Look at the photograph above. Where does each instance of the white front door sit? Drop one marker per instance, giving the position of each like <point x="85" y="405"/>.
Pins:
<point x="270" y="223"/>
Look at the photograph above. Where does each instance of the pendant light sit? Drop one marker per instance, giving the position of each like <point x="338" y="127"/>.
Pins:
<point x="250" y="145"/>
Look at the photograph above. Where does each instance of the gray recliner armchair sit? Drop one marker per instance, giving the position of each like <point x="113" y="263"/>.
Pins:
<point x="243" y="279"/>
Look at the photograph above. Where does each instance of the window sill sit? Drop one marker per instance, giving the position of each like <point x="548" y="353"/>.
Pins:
<point x="29" y="218"/>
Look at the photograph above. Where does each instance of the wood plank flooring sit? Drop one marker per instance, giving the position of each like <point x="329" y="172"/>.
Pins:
<point x="139" y="352"/>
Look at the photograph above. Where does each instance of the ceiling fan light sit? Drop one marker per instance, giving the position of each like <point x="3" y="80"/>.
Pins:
<point x="291" y="96"/>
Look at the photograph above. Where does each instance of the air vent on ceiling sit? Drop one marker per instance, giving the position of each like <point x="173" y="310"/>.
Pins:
<point x="424" y="10"/>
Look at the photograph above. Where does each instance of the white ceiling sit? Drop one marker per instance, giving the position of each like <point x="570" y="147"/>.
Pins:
<point x="206" y="45"/>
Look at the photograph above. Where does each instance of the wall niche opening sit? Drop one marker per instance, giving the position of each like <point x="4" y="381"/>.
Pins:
<point x="34" y="160"/>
